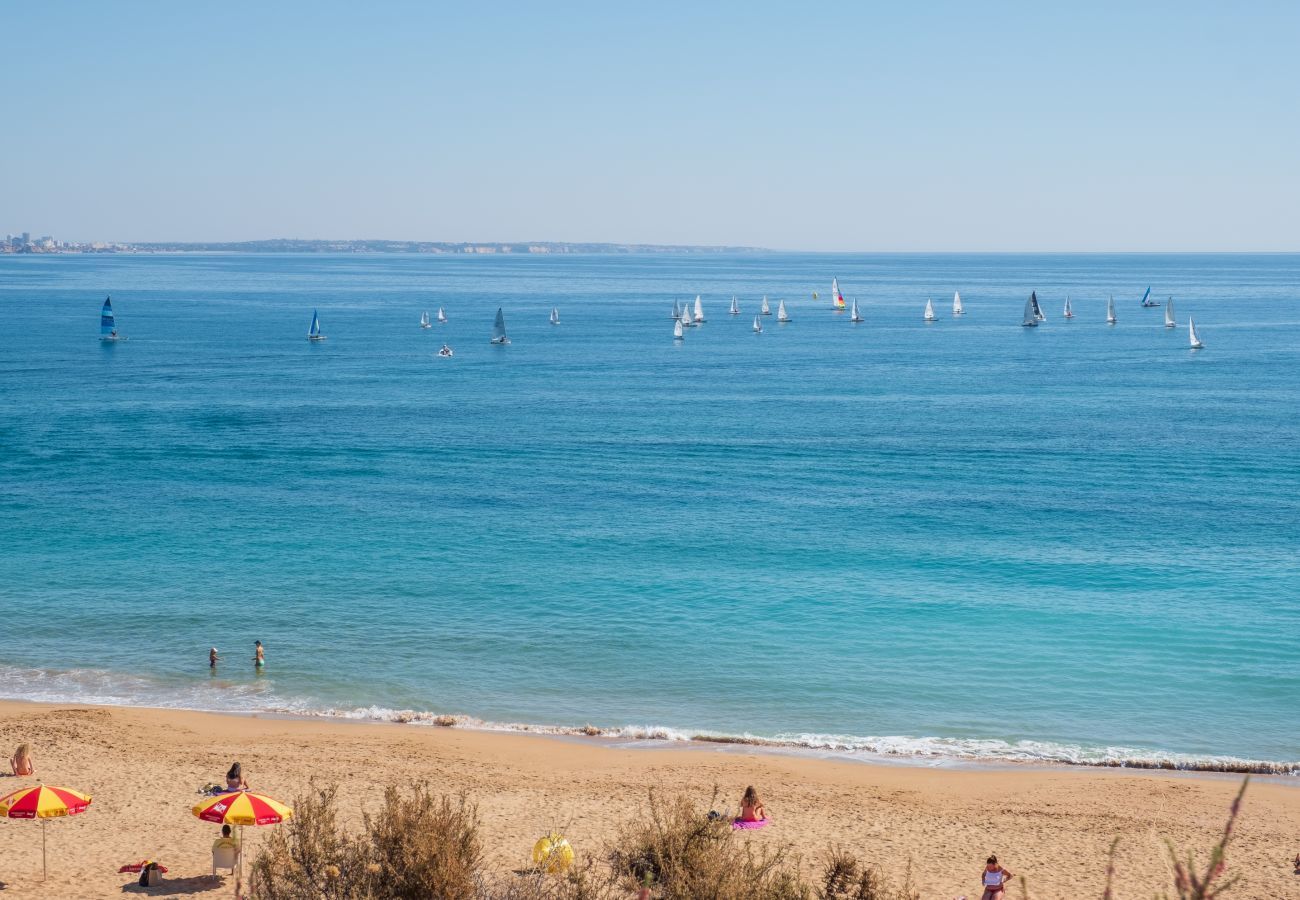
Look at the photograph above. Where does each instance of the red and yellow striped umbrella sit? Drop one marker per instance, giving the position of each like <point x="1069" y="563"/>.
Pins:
<point x="242" y="808"/>
<point x="42" y="802"/>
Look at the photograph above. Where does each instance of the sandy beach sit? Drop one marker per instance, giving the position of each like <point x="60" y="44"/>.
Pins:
<point x="1053" y="826"/>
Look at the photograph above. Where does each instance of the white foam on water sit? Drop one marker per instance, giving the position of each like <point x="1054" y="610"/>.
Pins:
<point x="102" y="688"/>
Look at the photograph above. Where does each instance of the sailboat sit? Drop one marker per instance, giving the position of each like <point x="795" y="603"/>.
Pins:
<point x="1031" y="320"/>
<point x="677" y="310"/>
<point x="929" y="310"/>
<point x="781" y="314"/>
<point x="766" y="310"/>
<point x="1038" y="310"/>
<point x="678" y="334"/>
<point x="1069" y="311"/>
<point x="1110" y="310"/>
<point x="108" y="324"/>
<point x="699" y="310"/>
<point x="1192" y="336"/>
<point x="956" y="304"/>
<point x="1147" y="302"/>
<point x="837" y="299"/>
<point x="555" y="315"/>
<point x="1169" y="314"/>
<point x="313" y="333"/>
<point x="735" y="307"/>
<point x="758" y="325"/>
<point x="853" y="314"/>
<point x="446" y="351"/>
<point x="442" y="316"/>
<point x="424" y="320"/>
<point x="499" y="329"/>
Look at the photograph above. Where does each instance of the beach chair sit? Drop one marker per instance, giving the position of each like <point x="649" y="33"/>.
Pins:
<point x="225" y="855"/>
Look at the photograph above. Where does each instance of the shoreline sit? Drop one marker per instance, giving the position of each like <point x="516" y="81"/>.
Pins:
<point x="888" y="750"/>
<point x="143" y="767"/>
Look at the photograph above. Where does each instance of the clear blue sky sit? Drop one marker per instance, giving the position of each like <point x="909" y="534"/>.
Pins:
<point x="830" y="126"/>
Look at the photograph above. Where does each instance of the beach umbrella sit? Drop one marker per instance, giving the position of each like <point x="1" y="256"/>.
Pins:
<point x="241" y="808"/>
<point x="42" y="802"/>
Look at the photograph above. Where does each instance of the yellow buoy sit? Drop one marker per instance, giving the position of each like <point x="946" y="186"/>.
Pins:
<point x="553" y="853"/>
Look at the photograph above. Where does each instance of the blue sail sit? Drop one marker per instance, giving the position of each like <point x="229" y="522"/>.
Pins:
<point x="107" y="327"/>
<point x="315" y="325"/>
<point x="1145" y="296"/>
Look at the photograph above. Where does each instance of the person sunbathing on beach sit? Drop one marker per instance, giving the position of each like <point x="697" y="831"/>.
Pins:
<point x="235" y="779"/>
<point x="994" y="878"/>
<point x="21" y="761"/>
<point x="751" y="807"/>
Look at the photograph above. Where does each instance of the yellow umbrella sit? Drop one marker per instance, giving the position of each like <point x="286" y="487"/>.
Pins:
<point x="242" y="808"/>
<point x="42" y="802"/>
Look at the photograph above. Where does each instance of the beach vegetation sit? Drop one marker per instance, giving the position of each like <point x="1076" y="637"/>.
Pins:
<point x="419" y="845"/>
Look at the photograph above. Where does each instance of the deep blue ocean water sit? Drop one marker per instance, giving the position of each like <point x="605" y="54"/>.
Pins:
<point x="964" y="539"/>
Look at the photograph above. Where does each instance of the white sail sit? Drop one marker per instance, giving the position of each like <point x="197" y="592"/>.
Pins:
<point x="677" y="310"/>
<point x="424" y="319"/>
<point x="781" y="314"/>
<point x="699" y="310"/>
<point x="677" y="330"/>
<point x="758" y="325"/>
<point x="1110" y="310"/>
<point x="956" y="304"/>
<point x="1031" y="320"/>
<point x="853" y="315"/>
<point x="767" y="310"/>
<point x="735" y="306"/>
<point x="929" y="310"/>
<point x="555" y="315"/>
<point x="499" y="329"/>
<point x="442" y="316"/>
<point x="1069" y="310"/>
<point x="1192" y="335"/>
<point x="1170" y="322"/>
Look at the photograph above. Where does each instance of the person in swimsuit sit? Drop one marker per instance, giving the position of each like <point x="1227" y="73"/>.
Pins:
<point x="994" y="879"/>
<point x="213" y="658"/>
<point x="260" y="659"/>
<point x="235" y="780"/>
<point x="751" y="807"/>
<point x="21" y="761"/>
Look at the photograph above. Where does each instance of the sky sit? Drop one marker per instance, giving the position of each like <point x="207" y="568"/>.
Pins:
<point x="831" y="126"/>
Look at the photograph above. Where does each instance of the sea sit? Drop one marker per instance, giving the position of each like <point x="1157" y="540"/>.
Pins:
<point x="942" y="543"/>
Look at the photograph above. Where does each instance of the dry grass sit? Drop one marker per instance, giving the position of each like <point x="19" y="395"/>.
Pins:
<point x="420" y="845"/>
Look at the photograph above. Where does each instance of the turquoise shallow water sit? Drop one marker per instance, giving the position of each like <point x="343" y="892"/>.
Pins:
<point x="966" y="539"/>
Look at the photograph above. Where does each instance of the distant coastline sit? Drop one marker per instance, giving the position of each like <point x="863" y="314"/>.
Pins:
<point x="25" y="244"/>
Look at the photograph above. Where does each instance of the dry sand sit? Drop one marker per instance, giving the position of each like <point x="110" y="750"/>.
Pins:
<point x="143" y="768"/>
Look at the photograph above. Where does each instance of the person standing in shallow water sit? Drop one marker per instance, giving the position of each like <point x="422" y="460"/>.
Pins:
<point x="260" y="659"/>
<point x="213" y="658"/>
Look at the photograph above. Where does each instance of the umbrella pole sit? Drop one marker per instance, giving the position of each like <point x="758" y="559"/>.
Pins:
<point x="239" y="879"/>
<point x="45" y="872"/>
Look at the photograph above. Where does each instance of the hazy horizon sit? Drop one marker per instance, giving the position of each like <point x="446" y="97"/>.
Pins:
<point x="1115" y="128"/>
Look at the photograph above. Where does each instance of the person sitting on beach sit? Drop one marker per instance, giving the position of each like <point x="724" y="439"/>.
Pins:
<point x="751" y="807"/>
<point x="21" y="761"/>
<point x="994" y="878"/>
<point x="235" y="780"/>
<point x="227" y="839"/>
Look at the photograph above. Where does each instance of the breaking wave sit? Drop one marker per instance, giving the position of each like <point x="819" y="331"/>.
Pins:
<point x="96" y="687"/>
